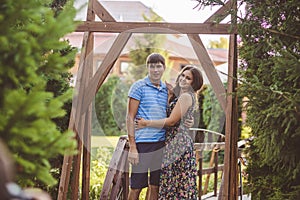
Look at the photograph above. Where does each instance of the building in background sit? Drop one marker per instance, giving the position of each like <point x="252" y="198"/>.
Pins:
<point x="178" y="46"/>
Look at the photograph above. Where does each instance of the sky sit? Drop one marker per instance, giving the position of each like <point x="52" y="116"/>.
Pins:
<point x="182" y="11"/>
<point x="179" y="11"/>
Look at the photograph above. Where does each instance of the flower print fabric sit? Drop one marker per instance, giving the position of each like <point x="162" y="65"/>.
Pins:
<point x="179" y="170"/>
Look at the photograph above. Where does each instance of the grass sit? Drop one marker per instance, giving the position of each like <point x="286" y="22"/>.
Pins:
<point x="107" y="141"/>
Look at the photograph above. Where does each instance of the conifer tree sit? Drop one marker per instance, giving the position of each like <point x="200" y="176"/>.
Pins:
<point x="270" y="70"/>
<point x="270" y="79"/>
<point x="31" y="50"/>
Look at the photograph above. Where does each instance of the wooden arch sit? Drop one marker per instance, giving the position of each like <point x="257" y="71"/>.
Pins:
<point x="88" y="84"/>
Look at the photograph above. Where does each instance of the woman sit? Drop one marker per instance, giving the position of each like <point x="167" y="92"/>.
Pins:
<point x="179" y="170"/>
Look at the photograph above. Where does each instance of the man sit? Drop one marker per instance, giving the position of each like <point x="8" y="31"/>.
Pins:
<point x="148" y="99"/>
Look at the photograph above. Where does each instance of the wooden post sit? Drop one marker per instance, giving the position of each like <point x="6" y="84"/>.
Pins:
<point x="229" y="181"/>
<point x="216" y="161"/>
<point x="231" y="130"/>
<point x="200" y="166"/>
<point x="211" y="163"/>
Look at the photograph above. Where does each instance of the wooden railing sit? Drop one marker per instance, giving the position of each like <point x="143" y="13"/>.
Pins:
<point x="116" y="183"/>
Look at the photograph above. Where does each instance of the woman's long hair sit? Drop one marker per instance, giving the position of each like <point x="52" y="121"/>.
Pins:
<point x="196" y="84"/>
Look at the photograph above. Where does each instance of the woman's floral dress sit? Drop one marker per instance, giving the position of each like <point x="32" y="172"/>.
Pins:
<point x="179" y="170"/>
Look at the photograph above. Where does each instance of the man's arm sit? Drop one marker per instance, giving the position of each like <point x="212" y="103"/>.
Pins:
<point x="132" y="108"/>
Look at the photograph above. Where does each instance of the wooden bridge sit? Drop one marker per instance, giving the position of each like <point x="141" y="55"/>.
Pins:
<point x="116" y="183"/>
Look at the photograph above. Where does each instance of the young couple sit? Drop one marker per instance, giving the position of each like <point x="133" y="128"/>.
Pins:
<point x="158" y="133"/>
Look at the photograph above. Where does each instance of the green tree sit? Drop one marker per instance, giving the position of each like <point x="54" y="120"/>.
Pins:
<point x="146" y="44"/>
<point x="104" y="107"/>
<point x="270" y="63"/>
<point x="219" y="44"/>
<point x="270" y="75"/>
<point x="32" y="50"/>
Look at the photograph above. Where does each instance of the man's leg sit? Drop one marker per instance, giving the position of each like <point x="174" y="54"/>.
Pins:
<point x="153" y="192"/>
<point x="134" y="194"/>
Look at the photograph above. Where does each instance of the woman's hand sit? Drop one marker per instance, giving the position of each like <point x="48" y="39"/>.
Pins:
<point x="140" y="123"/>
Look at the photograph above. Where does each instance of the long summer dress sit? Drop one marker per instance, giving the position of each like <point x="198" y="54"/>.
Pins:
<point x="179" y="170"/>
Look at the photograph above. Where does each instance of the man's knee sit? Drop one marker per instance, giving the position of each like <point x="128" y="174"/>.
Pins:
<point x="134" y="194"/>
<point x="153" y="192"/>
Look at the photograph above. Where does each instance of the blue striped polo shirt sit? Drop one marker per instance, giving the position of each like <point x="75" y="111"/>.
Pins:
<point x="153" y="104"/>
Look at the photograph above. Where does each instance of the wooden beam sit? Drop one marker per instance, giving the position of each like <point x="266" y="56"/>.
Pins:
<point x="105" y="67"/>
<point x="209" y="146"/>
<point x="73" y="125"/>
<point x="77" y="162"/>
<point x="230" y="189"/>
<point x="101" y="12"/>
<point x="82" y="120"/>
<point x="86" y="160"/>
<point x="155" y="27"/>
<point x="113" y="167"/>
<point x="76" y="122"/>
<point x="66" y="168"/>
<point x="220" y="14"/>
<point x="209" y="69"/>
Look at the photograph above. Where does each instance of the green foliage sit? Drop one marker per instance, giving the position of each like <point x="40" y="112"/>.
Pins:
<point x="271" y="82"/>
<point x="213" y="115"/>
<point x="119" y="103"/>
<point x="146" y="44"/>
<point x="111" y="105"/>
<point x="99" y="167"/>
<point x="31" y="50"/>
<point x="221" y="44"/>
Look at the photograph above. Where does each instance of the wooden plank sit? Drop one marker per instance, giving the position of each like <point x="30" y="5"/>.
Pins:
<point x="155" y="27"/>
<point x="82" y="120"/>
<point x="76" y="167"/>
<point x="101" y="12"/>
<point x="105" y="67"/>
<point x="230" y="190"/>
<point x="112" y="168"/>
<point x="200" y="172"/>
<point x="211" y="170"/>
<point x="65" y="178"/>
<point x="208" y="146"/>
<point x="216" y="170"/>
<point x="118" y="177"/>
<point x="86" y="166"/>
<point x="209" y="69"/>
<point x="220" y="14"/>
<point x="67" y="162"/>
<point x="211" y="162"/>
<point x="86" y="134"/>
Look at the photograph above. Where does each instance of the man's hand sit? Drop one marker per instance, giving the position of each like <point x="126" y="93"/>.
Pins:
<point x="133" y="156"/>
<point x="189" y="122"/>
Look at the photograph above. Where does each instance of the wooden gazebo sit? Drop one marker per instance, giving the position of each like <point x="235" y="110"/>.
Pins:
<point x="88" y="84"/>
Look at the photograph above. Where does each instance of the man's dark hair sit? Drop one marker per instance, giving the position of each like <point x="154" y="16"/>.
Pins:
<point x="155" y="58"/>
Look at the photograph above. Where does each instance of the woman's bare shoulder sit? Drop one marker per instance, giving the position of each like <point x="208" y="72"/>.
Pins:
<point x="186" y="97"/>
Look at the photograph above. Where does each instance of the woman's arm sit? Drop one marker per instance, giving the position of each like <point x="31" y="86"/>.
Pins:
<point x="181" y="107"/>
